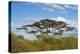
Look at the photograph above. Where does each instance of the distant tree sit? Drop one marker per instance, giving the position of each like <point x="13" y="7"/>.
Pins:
<point x="46" y="26"/>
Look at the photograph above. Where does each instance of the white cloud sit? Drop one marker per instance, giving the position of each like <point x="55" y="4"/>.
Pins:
<point x="71" y="23"/>
<point x="70" y="7"/>
<point x="49" y="9"/>
<point x="67" y="6"/>
<point x="60" y="19"/>
<point x="58" y="8"/>
<point x="48" y="4"/>
<point x="14" y="24"/>
<point x="53" y="6"/>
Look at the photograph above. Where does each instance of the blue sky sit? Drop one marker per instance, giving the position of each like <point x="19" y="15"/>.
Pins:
<point x="27" y="12"/>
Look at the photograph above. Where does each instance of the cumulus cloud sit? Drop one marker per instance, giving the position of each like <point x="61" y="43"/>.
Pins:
<point x="71" y="23"/>
<point x="60" y="19"/>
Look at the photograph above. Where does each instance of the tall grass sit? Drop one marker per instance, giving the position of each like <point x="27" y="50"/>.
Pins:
<point x="19" y="44"/>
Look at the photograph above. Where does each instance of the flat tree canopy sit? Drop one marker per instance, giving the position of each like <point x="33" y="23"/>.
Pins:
<point x="46" y="26"/>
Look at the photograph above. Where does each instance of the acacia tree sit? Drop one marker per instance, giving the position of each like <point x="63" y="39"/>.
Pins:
<point x="46" y="26"/>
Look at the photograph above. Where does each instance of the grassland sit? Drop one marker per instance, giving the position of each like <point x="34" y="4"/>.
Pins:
<point x="19" y="44"/>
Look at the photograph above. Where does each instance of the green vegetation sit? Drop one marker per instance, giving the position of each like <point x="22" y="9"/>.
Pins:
<point x="19" y="44"/>
<point x="43" y="41"/>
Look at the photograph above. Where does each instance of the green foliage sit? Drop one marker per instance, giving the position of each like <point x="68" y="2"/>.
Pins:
<point x="19" y="44"/>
